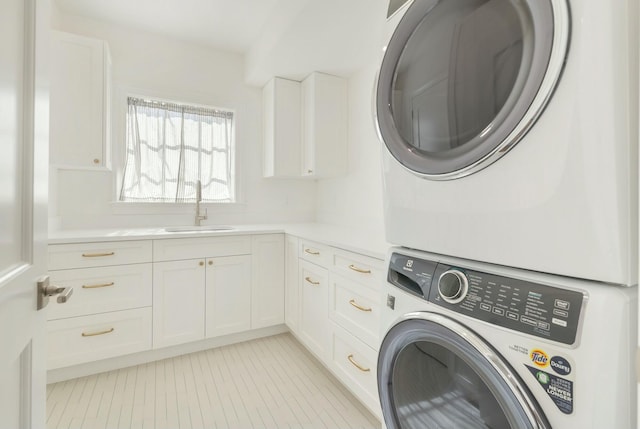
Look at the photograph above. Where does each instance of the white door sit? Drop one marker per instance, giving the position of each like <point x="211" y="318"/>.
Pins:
<point x="24" y="109"/>
<point x="228" y="295"/>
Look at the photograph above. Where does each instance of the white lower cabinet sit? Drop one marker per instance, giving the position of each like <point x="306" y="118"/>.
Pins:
<point x="83" y="339"/>
<point x="314" y="309"/>
<point x="334" y="310"/>
<point x="355" y="365"/>
<point x="267" y="282"/>
<point x="178" y="302"/>
<point x="228" y="295"/>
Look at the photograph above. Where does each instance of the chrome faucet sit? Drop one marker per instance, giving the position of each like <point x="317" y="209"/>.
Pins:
<point x="199" y="217"/>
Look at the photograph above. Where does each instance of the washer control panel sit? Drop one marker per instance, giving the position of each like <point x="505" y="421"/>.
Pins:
<point x="536" y="309"/>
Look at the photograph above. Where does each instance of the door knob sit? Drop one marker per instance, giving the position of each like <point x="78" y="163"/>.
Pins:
<point x="45" y="291"/>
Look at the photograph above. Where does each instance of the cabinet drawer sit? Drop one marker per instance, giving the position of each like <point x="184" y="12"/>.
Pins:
<point x="315" y="252"/>
<point x="356" y="308"/>
<point x="102" y="289"/>
<point x="175" y="249"/>
<point x="100" y="254"/>
<point x="366" y="270"/>
<point x="89" y="338"/>
<point x="354" y="363"/>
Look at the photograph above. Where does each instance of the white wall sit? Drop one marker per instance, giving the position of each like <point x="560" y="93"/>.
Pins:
<point x="356" y="199"/>
<point x="162" y="67"/>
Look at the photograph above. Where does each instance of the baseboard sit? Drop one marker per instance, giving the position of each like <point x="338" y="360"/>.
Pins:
<point x="96" y="367"/>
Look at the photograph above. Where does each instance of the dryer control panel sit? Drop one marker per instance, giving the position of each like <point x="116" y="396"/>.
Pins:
<point x="536" y="309"/>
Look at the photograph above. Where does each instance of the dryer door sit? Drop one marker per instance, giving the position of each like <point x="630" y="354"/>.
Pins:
<point x="462" y="81"/>
<point x="433" y="372"/>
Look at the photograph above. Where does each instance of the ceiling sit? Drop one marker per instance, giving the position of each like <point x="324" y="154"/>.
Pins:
<point x="287" y="38"/>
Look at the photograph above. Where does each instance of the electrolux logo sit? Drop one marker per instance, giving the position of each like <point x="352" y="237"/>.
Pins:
<point x="408" y="266"/>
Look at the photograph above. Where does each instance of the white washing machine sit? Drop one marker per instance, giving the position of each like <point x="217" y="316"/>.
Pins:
<point x="473" y="345"/>
<point x="511" y="131"/>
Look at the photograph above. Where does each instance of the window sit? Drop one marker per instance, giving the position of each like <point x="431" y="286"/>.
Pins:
<point x="170" y="147"/>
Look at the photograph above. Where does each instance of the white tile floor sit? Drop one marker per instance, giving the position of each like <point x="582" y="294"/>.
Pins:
<point x="266" y="383"/>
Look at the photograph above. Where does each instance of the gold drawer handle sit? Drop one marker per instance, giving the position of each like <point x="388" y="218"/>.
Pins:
<point x="97" y="255"/>
<point x="354" y="363"/>
<point x="353" y="302"/>
<point x="97" y="286"/>
<point x="308" y="279"/>
<point x="311" y="252"/>
<point x="93" y="334"/>
<point x="359" y="270"/>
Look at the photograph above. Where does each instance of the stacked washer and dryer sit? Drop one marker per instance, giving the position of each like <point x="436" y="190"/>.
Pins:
<point x="510" y="188"/>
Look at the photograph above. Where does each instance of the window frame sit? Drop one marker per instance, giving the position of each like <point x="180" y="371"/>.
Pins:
<point x="118" y="148"/>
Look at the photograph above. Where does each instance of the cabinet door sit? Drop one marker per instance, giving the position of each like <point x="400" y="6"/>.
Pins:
<point x="178" y="302"/>
<point x="291" y="284"/>
<point x="315" y="328"/>
<point x="324" y="125"/>
<point x="79" y="96"/>
<point x="282" y="128"/>
<point x="228" y="295"/>
<point x="267" y="284"/>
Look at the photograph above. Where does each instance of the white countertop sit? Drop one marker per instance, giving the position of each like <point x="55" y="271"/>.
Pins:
<point x="363" y="242"/>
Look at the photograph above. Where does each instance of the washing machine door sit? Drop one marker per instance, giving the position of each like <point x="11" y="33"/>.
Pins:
<point x="462" y="81"/>
<point x="435" y="373"/>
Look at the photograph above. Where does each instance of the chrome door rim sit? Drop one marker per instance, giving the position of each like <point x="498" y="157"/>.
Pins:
<point x="499" y="365"/>
<point x="555" y="66"/>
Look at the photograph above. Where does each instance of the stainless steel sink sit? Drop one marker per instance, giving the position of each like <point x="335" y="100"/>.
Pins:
<point x="202" y="228"/>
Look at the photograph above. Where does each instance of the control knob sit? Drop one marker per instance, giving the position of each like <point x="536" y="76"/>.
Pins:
<point x="453" y="286"/>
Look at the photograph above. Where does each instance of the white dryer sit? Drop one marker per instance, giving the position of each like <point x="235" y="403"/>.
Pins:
<point x="472" y="345"/>
<point x="511" y="131"/>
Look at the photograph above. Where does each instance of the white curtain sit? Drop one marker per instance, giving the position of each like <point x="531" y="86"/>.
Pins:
<point x="169" y="147"/>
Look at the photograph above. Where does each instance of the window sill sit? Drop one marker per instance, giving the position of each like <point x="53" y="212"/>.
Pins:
<point x="133" y="208"/>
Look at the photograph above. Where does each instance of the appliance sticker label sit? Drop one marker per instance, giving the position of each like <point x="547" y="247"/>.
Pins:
<point x="559" y="389"/>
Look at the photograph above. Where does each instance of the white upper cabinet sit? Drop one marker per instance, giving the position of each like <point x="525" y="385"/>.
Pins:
<point x="305" y="127"/>
<point x="324" y="126"/>
<point x="80" y="99"/>
<point x="282" y="128"/>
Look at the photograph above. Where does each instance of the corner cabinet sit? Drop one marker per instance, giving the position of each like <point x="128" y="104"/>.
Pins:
<point x="80" y="100"/>
<point x="305" y="127"/>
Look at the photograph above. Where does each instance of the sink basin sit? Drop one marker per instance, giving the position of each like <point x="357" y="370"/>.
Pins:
<point x="203" y="228"/>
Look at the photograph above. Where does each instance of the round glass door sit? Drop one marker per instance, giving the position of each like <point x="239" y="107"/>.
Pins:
<point x="433" y="375"/>
<point x="462" y="81"/>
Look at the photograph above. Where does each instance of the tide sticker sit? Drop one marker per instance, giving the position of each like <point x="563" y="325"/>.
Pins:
<point x="539" y="358"/>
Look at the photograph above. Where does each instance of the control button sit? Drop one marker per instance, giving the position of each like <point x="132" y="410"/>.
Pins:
<point x="513" y="316"/>
<point x="560" y="313"/>
<point x="544" y="325"/>
<point x="561" y="304"/>
<point x="485" y="307"/>
<point x="453" y="286"/>
<point x="529" y="321"/>
<point x="498" y="311"/>
<point x="559" y="322"/>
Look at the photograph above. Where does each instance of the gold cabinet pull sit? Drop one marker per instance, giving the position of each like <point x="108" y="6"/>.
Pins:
<point x="308" y="279"/>
<point x="354" y="363"/>
<point x="353" y="303"/>
<point x="97" y="286"/>
<point x="311" y="252"/>
<point x="93" y="334"/>
<point x="201" y="263"/>
<point x="359" y="270"/>
<point x="97" y="255"/>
